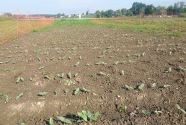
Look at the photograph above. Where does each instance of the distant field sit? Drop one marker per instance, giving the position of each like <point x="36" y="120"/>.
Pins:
<point x="11" y="29"/>
<point x="163" y="26"/>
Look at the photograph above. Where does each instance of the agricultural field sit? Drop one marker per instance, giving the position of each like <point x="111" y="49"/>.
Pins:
<point x="11" y="29"/>
<point x="89" y="73"/>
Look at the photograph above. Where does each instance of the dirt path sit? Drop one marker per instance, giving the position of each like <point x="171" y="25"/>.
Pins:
<point x="101" y="60"/>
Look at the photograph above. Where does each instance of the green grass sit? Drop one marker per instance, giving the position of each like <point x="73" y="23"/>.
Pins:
<point x="69" y="23"/>
<point x="165" y="26"/>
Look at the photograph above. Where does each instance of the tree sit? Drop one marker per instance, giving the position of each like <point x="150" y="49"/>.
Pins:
<point x="98" y="14"/>
<point x="87" y="12"/>
<point x="129" y="13"/>
<point x="109" y="13"/>
<point x="102" y="14"/>
<point x="118" y="13"/>
<point x="137" y="8"/>
<point x="149" y="10"/>
<point x="123" y="11"/>
<point x="170" y="10"/>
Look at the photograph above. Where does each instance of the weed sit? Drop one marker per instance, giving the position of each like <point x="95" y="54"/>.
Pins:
<point x="85" y="90"/>
<point x="76" y="64"/>
<point x="69" y="75"/>
<point x="101" y="63"/>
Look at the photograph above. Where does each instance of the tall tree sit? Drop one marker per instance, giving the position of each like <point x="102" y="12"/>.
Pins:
<point x="98" y="14"/>
<point x="137" y="8"/>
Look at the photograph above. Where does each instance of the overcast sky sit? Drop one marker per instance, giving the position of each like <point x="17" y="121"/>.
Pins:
<point x="72" y="6"/>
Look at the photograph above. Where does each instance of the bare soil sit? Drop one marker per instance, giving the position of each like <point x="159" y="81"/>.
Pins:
<point x="102" y="54"/>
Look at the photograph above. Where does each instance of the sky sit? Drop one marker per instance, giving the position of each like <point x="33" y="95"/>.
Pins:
<point x="72" y="6"/>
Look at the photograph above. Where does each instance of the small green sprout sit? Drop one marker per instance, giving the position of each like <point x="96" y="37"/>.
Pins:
<point x="116" y="63"/>
<point x="20" y="79"/>
<point x="46" y="77"/>
<point x="7" y="98"/>
<point x="51" y="121"/>
<point x="75" y="92"/>
<point x="153" y="85"/>
<point x="42" y="93"/>
<point x="85" y="90"/>
<point x="158" y="112"/>
<point x="128" y="87"/>
<point x="169" y="70"/>
<point x="101" y="74"/>
<point x="122" y="73"/>
<point x="64" y="120"/>
<point x="60" y="75"/>
<point x="19" y="96"/>
<point x="66" y="91"/>
<point x="146" y="112"/>
<point x="87" y="116"/>
<point x="141" y="87"/>
<point x="69" y="75"/>
<point x="101" y="63"/>
<point x="181" y="109"/>
<point x="76" y="64"/>
<point x="42" y="67"/>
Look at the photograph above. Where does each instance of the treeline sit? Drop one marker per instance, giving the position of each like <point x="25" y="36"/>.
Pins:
<point x="143" y="9"/>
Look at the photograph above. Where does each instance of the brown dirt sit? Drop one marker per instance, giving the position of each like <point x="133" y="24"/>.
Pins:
<point x="59" y="49"/>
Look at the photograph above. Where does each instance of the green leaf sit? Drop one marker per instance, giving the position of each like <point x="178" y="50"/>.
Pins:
<point x="85" y="90"/>
<point x="19" y="96"/>
<point x="153" y="85"/>
<point x="46" y="77"/>
<point x="42" y="93"/>
<point x="95" y="117"/>
<point x="69" y="75"/>
<point x="7" y="98"/>
<point x="181" y="109"/>
<point x="117" y="62"/>
<point x="51" y="121"/>
<point x="146" y="112"/>
<point x="141" y="87"/>
<point x="101" y="73"/>
<point x="76" y="64"/>
<point x="20" y="79"/>
<point x="75" y="92"/>
<point x="60" y="75"/>
<point x="42" y="67"/>
<point x="22" y="124"/>
<point x="64" y="120"/>
<point x="122" y="73"/>
<point x="128" y="87"/>
<point x="83" y="115"/>
<point x="101" y="63"/>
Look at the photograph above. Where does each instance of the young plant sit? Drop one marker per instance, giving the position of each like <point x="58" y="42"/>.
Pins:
<point x="101" y="63"/>
<point x="60" y="75"/>
<point x="20" y="79"/>
<point x="51" y="121"/>
<point x="141" y="87"/>
<point x="42" y="93"/>
<point x="128" y="87"/>
<point x="146" y="112"/>
<point x="19" y="96"/>
<point x="76" y="64"/>
<point x="122" y="73"/>
<point x="181" y="109"/>
<point x="64" y="120"/>
<point x="75" y="92"/>
<point x="85" y="90"/>
<point x="87" y="116"/>
<point x="69" y="75"/>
